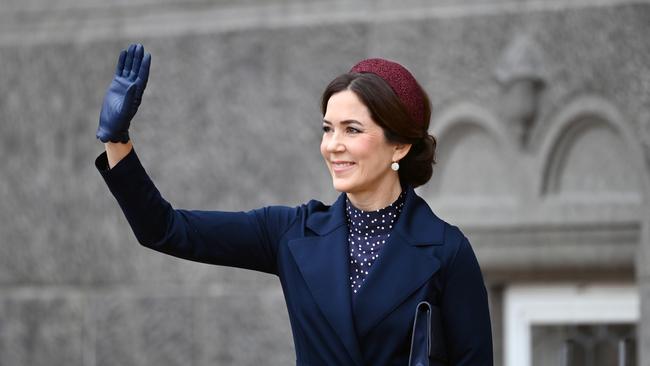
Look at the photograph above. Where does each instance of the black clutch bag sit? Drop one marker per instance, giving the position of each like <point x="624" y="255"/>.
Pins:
<point x="427" y="341"/>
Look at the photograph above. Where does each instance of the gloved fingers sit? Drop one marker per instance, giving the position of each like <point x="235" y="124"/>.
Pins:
<point x="143" y="74"/>
<point x="137" y="60"/>
<point x="129" y="61"/>
<point x="120" y="63"/>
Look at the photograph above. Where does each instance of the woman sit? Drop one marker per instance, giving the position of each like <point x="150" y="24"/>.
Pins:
<point x="374" y="279"/>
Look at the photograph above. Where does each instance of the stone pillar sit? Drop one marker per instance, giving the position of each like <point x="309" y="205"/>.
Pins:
<point x="643" y="278"/>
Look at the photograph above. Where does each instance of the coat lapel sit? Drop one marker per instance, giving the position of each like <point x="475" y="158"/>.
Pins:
<point x="404" y="264"/>
<point x="323" y="263"/>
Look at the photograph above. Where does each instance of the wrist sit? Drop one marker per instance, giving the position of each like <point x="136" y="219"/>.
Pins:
<point x="116" y="151"/>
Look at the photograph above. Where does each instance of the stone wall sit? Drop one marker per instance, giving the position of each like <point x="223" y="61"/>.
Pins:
<point x="230" y="121"/>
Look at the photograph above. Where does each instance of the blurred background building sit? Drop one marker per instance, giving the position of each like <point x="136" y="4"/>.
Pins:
<point x="542" y="114"/>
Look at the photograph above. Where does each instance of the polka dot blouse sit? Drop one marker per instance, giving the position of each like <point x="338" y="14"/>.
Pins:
<point x="368" y="232"/>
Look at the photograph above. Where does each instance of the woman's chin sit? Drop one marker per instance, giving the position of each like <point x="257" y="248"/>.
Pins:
<point x="341" y="186"/>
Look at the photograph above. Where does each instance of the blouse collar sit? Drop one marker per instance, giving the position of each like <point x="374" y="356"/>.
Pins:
<point x="371" y="223"/>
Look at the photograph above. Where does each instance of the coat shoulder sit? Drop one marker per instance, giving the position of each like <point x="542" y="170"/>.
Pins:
<point x="314" y="206"/>
<point x="447" y="235"/>
<point x="292" y="221"/>
<point x="453" y="235"/>
<point x="453" y="238"/>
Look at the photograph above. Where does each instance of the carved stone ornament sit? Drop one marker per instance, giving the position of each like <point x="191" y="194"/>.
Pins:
<point x="520" y="72"/>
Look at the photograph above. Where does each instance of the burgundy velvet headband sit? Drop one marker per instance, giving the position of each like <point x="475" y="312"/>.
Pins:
<point x="400" y="80"/>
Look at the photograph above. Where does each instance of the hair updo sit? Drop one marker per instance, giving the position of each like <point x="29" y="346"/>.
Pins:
<point x="391" y="115"/>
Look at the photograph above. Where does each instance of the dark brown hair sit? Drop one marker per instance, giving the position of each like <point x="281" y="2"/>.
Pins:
<point x="390" y="114"/>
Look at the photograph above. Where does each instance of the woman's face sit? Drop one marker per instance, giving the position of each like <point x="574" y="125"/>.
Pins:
<point x="354" y="147"/>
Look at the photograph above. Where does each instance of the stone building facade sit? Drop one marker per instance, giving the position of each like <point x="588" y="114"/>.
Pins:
<point x="542" y="114"/>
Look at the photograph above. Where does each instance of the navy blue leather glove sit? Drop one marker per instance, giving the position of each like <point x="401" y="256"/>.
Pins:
<point x="124" y="95"/>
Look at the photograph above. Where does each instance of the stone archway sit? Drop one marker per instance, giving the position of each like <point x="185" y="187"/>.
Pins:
<point x="572" y="207"/>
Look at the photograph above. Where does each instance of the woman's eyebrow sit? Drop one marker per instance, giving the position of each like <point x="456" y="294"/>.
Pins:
<point x="346" y="122"/>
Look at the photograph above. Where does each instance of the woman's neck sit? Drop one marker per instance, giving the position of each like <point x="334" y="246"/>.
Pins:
<point x="377" y="199"/>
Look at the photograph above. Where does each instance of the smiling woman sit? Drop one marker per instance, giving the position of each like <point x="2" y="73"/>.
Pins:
<point x="358" y="155"/>
<point x="372" y="123"/>
<point x="374" y="279"/>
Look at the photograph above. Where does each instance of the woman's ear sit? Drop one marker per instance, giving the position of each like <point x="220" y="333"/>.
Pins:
<point x="400" y="151"/>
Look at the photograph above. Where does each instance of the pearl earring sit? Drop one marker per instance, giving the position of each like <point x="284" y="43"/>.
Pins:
<point x="395" y="166"/>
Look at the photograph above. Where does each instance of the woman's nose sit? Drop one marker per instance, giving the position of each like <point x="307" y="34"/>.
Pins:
<point x="335" y="144"/>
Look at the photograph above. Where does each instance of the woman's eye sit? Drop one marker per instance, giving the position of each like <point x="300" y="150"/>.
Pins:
<point x="327" y="129"/>
<point x="353" y="130"/>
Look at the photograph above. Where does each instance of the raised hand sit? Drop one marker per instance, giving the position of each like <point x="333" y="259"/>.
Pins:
<point x="124" y="95"/>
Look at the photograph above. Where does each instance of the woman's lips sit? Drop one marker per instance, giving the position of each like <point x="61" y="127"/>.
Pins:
<point x="342" y="166"/>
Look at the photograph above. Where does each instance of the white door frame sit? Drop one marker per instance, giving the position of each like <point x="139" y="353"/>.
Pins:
<point x="526" y="305"/>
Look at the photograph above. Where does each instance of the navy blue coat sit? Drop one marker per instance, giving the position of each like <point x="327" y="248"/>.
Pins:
<point x="425" y="259"/>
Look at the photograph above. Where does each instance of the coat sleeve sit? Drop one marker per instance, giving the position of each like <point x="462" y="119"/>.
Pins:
<point x="465" y="310"/>
<point x="237" y="239"/>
